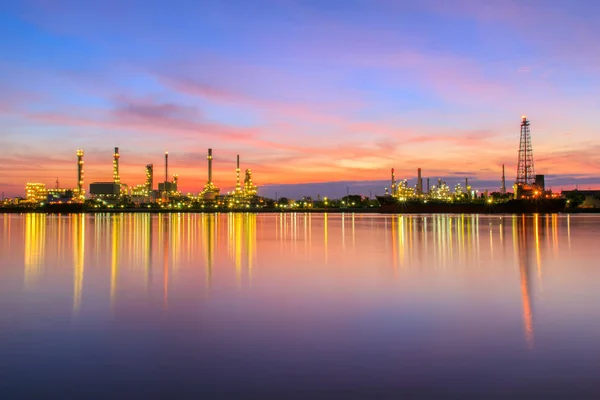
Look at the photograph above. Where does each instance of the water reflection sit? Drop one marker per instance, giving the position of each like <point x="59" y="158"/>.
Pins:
<point x="443" y="240"/>
<point x="401" y="296"/>
<point x="115" y="253"/>
<point x="208" y="243"/>
<point x="35" y="246"/>
<point x="522" y="227"/>
<point x="134" y="243"/>
<point x="242" y="242"/>
<point x="78" y="259"/>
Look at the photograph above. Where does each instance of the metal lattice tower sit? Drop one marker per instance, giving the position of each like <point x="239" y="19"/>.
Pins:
<point x="525" y="169"/>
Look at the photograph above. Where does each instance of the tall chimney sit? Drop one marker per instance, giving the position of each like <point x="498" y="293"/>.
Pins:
<point x="428" y="190"/>
<point x="237" y="173"/>
<point x="209" y="157"/>
<point x="166" y="168"/>
<point x="419" y="182"/>
<point x="503" y="181"/>
<point x="393" y="182"/>
<point x="116" y="177"/>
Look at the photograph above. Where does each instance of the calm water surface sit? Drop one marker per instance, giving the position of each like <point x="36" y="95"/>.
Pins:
<point x="303" y="306"/>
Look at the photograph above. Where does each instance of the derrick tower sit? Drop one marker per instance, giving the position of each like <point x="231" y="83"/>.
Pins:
<point x="525" y="169"/>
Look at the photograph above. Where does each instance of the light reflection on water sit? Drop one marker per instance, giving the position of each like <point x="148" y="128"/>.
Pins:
<point x="431" y="289"/>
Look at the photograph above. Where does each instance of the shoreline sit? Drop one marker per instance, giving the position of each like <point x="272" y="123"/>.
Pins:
<point x="376" y="211"/>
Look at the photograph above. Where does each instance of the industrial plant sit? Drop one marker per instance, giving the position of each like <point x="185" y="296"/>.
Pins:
<point x="527" y="185"/>
<point x="529" y="191"/>
<point x="166" y="194"/>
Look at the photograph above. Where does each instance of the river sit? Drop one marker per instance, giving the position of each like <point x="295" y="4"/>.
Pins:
<point x="299" y="305"/>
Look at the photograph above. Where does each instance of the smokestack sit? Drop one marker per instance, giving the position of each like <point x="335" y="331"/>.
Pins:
<point x="393" y="182"/>
<point x="419" y="182"/>
<point x="116" y="177"/>
<point x="166" y="168"/>
<point x="428" y="191"/>
<point x="503" y="181"/>
<point x="209" y="157"/>
<point x="237" y="172"/>
<point x="80" y="174"/>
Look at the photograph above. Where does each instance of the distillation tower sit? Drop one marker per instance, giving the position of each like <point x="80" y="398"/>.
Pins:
<point x="116" y="176"/>
<point x="250" y="189"/>
<point x="149" y="178"/>
<point x="80" y="191"/>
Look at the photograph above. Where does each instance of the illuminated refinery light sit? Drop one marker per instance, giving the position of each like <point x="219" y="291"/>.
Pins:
<point x="149" y="178"/>
<point x="244" y="194"/>
<point x="35" y="192"/>
<point x="80" y="190"/>
<point x="116" y="177"/>
<point x="250" y="189"/>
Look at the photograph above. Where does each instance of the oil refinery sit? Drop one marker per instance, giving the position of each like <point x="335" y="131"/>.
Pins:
<point x="529" y="188"/>
<point x="116" y="193"/>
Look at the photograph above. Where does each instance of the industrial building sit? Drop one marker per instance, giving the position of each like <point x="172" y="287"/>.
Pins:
<point x="167" y="187"/>
<point x="60" y="195"/>
<point x="105" y="190"/>
<point x="36" y="192"/>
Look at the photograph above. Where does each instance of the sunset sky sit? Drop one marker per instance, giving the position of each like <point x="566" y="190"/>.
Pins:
<point x="305" y="91"/>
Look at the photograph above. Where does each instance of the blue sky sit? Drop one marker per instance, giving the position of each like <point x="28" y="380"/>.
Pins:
<point x="304" y="91"/>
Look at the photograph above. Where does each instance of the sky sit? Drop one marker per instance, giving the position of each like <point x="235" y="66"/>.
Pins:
<point x="317" y="97"/>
